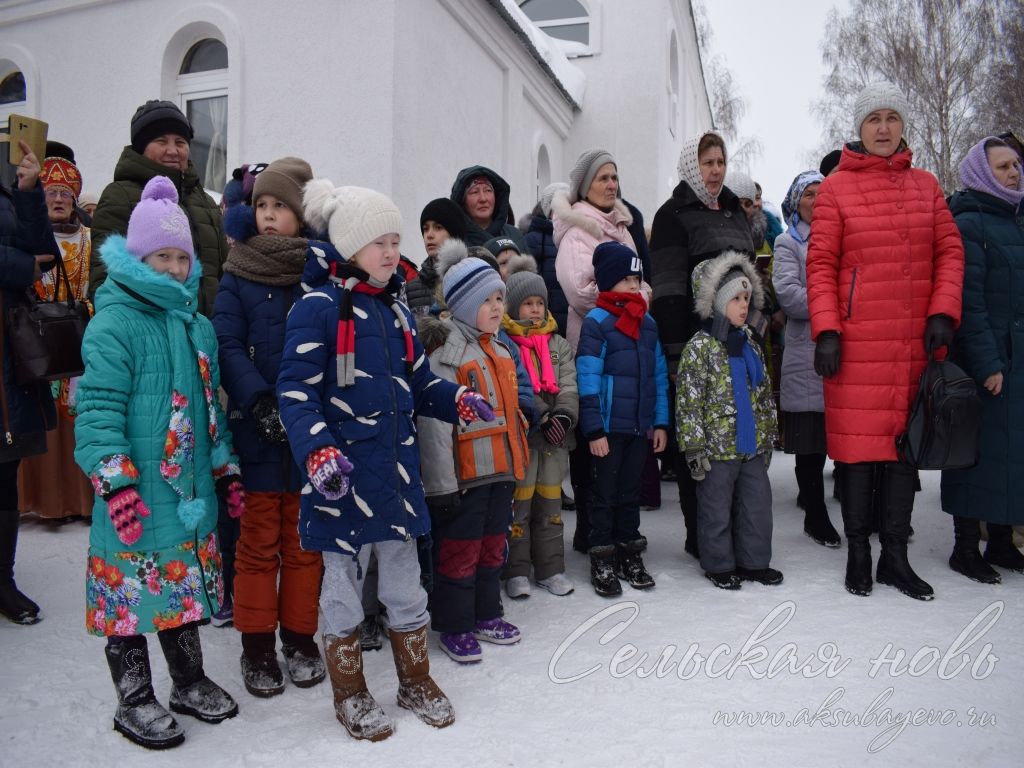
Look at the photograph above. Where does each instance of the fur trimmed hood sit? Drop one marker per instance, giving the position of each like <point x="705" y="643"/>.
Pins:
<point x="708" y="276"/>
<point x="567" y="215"/>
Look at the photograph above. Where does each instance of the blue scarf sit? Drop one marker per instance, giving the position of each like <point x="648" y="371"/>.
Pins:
<point x="744" y="367"/>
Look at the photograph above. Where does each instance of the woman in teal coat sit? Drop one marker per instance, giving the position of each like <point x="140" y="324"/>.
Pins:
<point x="990" y="348"/>
<point x="152" y="437"/>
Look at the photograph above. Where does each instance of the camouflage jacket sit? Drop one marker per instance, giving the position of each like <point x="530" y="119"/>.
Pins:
<point x="705" y="409"/>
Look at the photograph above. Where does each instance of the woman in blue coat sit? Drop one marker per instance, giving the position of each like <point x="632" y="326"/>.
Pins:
<point x="26" y="412"/>
<point x="990" y="347"/>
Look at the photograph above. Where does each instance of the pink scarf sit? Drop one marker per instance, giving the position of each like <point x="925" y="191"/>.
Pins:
<point x="539" y="346"/>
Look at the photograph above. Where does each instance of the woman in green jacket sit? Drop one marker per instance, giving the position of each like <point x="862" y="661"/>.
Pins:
<point x="152" y="437"/>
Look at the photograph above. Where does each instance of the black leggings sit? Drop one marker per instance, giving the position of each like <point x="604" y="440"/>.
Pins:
<point x="9" y="484"/>
<point x="815" y="461"/>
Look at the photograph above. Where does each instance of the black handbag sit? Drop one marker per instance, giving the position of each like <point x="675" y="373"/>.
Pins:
<point x="45" y="337"/>
<point x="942" y="431"/>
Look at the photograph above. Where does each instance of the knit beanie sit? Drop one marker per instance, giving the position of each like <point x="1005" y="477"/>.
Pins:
<point x="157" y="222"/>
<point x="875" y="96"/>
<point x="741" y="185"/>
<point x="614" y="261"/>
<point x="733" y="284"/>
<point x="466" y="281"/>
<point x="548" y="195"/>
<point x="155" y="118"/>
<point x="249" y="174"/>
<point x="233" y="194"/>
<point x="284" y="179"/>
<point x="88" y="198"/>
<point x="830" y="161"/>
<point x="582" y="174"/>
<point x="446" y="213"/>
<point x="523" y="282"/>
<point x="351" y="216"/>
<point x="498" y="244"/>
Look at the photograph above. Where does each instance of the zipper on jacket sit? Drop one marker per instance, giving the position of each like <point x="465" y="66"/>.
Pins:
<point x="252" y="354"/>
<point x="394" y="399"/>
<point x="849" y="302"/>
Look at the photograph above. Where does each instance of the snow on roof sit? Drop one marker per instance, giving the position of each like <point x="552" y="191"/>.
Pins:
<point x="569" y="79"/>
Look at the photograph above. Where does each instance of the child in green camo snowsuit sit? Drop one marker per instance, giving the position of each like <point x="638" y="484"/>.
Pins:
<point x="725" y="418"/>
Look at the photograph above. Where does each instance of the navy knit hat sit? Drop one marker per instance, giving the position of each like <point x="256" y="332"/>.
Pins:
<point x="614" y="261"/>
<point x="498" y="244"/>
<point x="447" y="214"/>
<point x="156" y="118"/>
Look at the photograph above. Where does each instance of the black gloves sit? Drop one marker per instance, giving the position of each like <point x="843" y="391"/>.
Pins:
<point x="938" y="333"/>
<point x="826" y="354"/>
<point x="268" y="418"/>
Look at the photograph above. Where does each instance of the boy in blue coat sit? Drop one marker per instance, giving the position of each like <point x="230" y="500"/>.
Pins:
<point x="352" y="375"/>
<point x="623" y="388"/>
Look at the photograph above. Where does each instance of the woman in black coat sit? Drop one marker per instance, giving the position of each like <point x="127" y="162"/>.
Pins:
<point x="27" y="248"/>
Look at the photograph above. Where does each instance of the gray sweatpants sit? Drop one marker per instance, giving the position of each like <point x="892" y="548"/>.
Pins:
<point x="734" y="516"/>
<point x="398" y="588"/>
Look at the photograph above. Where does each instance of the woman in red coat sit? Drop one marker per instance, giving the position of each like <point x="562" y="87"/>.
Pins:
<point x="884" y="279"/>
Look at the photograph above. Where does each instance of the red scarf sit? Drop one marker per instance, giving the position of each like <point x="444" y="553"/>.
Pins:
<point x="630" y="308"/>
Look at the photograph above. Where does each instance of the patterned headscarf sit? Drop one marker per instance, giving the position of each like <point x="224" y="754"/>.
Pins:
<point x="790" y="205"/>
<point x="689" y="168"/>
<point x="976" y="174"/>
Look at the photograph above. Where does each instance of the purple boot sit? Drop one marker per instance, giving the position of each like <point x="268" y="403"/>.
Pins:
<point x="460" y="646"/>
<point x="497" y="631"/>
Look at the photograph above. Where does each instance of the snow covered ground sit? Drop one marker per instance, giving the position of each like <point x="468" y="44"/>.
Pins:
<point x="814" y="666"/>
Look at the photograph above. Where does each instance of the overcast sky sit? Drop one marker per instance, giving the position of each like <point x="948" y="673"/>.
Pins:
<point x="774" y="52"/>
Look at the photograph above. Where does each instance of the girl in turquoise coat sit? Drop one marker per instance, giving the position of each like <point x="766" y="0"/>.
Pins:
<point x="152" y="437"/>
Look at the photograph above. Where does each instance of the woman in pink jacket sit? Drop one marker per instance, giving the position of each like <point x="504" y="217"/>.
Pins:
<point x="884" y="276"/>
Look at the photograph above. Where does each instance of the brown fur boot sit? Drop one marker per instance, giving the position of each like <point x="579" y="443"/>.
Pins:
<point x="355" y="708"/>
<point x="417" y="691"/>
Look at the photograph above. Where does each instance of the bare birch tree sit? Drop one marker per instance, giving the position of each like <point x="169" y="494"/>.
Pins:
<point x="943" y="54"/>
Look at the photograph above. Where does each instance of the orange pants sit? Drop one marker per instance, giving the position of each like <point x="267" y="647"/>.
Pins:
<point x="268" y="546"/>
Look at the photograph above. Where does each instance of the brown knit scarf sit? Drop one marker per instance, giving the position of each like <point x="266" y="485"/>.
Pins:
<point x="268" y="259"/>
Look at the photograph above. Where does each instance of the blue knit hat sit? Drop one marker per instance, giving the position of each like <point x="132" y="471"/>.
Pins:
<point x="614" y="261"/>
<point x="466" y="281"/>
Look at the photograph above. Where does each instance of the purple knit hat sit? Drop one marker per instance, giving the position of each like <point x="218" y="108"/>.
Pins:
<point x="976" y="174"/>
<point x="158" y="222"/>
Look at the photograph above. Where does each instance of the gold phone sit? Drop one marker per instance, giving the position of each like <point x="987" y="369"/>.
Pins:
<point x="29" y="130"/>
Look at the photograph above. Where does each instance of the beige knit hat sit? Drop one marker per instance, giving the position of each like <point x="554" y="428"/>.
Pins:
<point x="352" y="216"/>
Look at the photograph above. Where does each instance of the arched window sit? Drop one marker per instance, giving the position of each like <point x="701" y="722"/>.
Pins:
<point x="203" y="96"/>
<point x="673" y="83"/>
<point x="543" y="171"/>
<point x="12" y="88"/>
<point x="564" y="19"/>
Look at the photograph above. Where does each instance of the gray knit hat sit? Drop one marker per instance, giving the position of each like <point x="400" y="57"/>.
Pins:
<point x="522" y="283"/>
<point x="466" y="281"/>
<point x="741" y="184"/>
<point x="549" y="194"/>
<point x="352" y="216"/>
<point x="583" y="173"/>
<point x="733" y="284"/>
<point x="882" y="95"/>
<point x="284" y="179"/>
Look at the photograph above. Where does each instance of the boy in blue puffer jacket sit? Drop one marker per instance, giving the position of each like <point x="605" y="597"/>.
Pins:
<point x="352" y="375"/>
<point x="260" y="284"/>
<point x="623" y="388"/>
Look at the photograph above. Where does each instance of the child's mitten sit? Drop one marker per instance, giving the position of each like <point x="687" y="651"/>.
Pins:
<point x="125" y="507"/>
<point x="328" y="472"/>
<point x="473" y="406"/>
<point x="555" y="428"/>
<point x="698" y="463"/>
<point x="267" y="414"/>
<point x="231" y="490"/>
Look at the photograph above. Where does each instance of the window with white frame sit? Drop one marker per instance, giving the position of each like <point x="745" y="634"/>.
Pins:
<point x="564" y="19"/>
<point x="203" y="96"/>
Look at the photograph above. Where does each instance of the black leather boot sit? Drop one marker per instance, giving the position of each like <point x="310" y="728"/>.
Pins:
<point x="811" y="499"/>
<point x="13" y="604"/>
<point x="193" y="693"/>
<point x="1001" y="550"/>
<point x="897" y="502"/>
<point x="966" y="558"/>
<point x="139" y="717"/>
<point x="857" y="481"/>
<point x="602" y="571"/>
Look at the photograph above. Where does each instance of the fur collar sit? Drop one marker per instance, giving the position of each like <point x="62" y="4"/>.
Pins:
<point x="585" y="216"/>
<point x="707" y="277"/>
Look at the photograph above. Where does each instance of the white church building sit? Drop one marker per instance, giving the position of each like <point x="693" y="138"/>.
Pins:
<point x="397" y="95"/>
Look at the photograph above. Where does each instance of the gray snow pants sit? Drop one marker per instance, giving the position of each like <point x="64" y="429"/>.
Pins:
<point x="734" y="516"/>
<point x="536" y="535"/>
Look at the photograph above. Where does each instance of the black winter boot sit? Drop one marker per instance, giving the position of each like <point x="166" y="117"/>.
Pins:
<point x="629" y="564"/>
<point x="13" y="604"/>
<point x="1001" y="550"/>
<point x="812" y="495"/>
<point x="602" y="571"/>
<point x="897" y="502"/>
<point x="302" y="659"/>
<point x="193" y="693"/>
<point x="966" y="558"/>
<point x="139" y="716"/>
<point x="261" y="673"/>
<point x="856" y="482"/>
